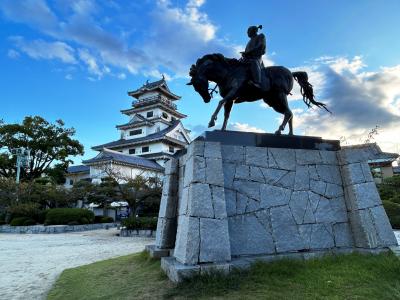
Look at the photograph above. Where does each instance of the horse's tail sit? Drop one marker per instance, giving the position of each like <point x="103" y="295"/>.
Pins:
<point x="306" y="90"/>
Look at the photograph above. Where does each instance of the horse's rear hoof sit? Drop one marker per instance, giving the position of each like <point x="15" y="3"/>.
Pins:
<point x="278" y="132"/>
<point x="211" y="124"/>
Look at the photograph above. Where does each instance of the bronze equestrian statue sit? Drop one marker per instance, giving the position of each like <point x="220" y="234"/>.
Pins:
<point x="246" y="80"/>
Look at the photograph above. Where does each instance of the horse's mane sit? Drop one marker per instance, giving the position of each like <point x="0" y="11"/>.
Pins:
<point x="217" y="57"/>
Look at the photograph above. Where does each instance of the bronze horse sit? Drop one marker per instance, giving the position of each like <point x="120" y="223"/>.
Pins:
<point x="231" y="76"/>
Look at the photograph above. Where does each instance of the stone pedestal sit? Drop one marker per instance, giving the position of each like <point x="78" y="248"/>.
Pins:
<point x="225" y="205"/>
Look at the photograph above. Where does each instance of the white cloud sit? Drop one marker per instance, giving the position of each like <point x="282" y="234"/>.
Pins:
<point x="68" y="77"/>
<point x="182" y="35"/>
<point x="11" y="53"/>
<point x="40" y="49"/>
<point x="245" y="127"/>
<point x="91" y="63"/>
<point x="35" y="13"/>
<point x="359" y="101"/>
<point x="177" y="35"/>
<point x="121" y="76"/>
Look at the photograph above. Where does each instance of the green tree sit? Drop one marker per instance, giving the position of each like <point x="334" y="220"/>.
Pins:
<point x="143" y="190"/>
<point x="49" y="143"/>
<point x="389" y="189"/>
<point x="104" y="193"/>
<point x="57" y="173"/>
<point x="81" y="190"/>
<point x="137" y="192"/>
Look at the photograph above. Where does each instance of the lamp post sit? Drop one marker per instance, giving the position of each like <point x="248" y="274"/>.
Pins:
<point x="23" y="155"/>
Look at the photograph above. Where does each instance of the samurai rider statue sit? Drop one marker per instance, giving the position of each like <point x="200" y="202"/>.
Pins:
<point x="247" y="80"/>
<point x="253" y="53"/>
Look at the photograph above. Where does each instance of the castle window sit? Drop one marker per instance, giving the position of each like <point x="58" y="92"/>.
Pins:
<point x="149" y="114"/>
<point x="164" y="115"/>
<point x="145" y="149"/>
<point x="132" y="151"/>
<point x="71" y="182"/>
<point x="171" y="149"/>
<point x="135" y="132"/>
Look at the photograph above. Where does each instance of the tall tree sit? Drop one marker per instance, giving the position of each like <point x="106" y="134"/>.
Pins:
<point x="138" y="190"/>
<point x="49" y="143"/>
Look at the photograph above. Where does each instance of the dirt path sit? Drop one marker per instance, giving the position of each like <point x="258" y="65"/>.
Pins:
<point x="30" y="263"/>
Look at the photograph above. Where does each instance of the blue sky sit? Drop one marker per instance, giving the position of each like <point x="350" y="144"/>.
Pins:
<point x="75" y="60"/>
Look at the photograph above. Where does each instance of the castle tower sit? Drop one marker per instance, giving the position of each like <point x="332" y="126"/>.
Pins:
<point x="154" y="130"/>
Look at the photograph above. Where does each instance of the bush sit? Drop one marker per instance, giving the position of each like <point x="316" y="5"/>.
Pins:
<point x="84" y="220"/>
<point x="22" y="221"/>
<point x="2" y="218"/>
<point x="393" y="212"/>
<point x="140" y="223"/>
<point x="106" y="220"/>
<point x="29" y="210"/>
<point x="63" y="216"/>
<point x="103" y="219"/>
<point x="41" y="217"/>
<point x="72" y="223"/>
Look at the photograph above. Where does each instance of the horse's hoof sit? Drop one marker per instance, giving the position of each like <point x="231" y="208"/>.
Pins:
<point x="290" y="133"/>
<point x="278" y="132"/>
<point x="211" y="124"/>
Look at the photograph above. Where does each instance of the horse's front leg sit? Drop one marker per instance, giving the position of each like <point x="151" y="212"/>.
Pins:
<point x="227" y="112"/>
<point x="215" y="114"/>
<point x="229" y="97"/>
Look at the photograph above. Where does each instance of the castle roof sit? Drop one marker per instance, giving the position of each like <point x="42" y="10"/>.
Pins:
<point x="160" y="85"/>
<point x="144" y="105"/>
<point x="78" y="169"/>
<point x="157" y="136"/>
<point x="109" y="155"/>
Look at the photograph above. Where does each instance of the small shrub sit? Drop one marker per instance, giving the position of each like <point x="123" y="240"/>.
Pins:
<point x="41" y="216"/>
<point x="28" y="210"/>
<point x="103" y="219"/>
<point x="72" y="223"/>
<point x="84" y="220"/>
<point x="140" y="223"/>
<point x="22" y="221"/>
<point x="62" y="216"/>
<point x="3" y="218"/>
<point x="106" y="220"/>
<point x="393" y="212"/>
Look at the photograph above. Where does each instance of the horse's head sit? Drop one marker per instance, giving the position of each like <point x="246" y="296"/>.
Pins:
<point x="199" y="80"/>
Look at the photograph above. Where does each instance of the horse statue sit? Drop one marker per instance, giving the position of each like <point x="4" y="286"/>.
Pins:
<point x="232" y="79"/>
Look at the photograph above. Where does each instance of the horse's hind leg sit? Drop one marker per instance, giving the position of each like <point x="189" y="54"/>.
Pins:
<point x="287" y="113"/>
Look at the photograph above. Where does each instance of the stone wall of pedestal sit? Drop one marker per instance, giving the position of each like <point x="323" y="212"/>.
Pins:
<point x="224" y="202"/>
<point x="369" y="222"/>
<point x="284" y="200"/>
<point x="167" y="216"/>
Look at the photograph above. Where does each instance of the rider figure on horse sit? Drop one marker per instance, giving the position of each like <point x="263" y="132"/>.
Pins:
<point x="253" y="53"/>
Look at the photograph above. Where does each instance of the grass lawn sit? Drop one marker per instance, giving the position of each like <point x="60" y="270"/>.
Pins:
<point x="137" y="276"/>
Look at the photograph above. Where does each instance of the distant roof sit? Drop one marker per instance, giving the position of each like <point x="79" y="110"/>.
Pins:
<point x="396" y="170"/>
<point x="377" y="155"/>
<point x="150" y="137"/>
<point x="149" y="86"/>
<point x="78" y="169"/>
<point x="141" y="162"/>
<point x="133" y="122"/>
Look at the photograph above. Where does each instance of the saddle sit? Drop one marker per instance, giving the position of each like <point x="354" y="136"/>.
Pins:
<point x="265" y="78"/>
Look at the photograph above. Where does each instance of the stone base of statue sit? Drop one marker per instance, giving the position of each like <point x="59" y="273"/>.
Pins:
<point x="234" y="198"/>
